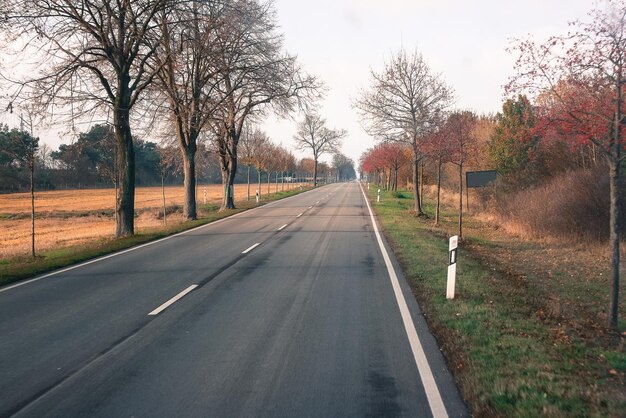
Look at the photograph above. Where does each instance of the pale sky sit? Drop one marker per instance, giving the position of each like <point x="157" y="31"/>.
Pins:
<point x="465" y="41"/>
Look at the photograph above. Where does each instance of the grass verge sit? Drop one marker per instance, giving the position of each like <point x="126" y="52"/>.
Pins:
<point x="19" y="268"/>
<point x="508" y="359"/>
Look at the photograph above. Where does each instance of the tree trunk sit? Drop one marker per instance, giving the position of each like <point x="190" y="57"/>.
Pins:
<point x="31" y="163"/>
<point x="282" y="187"/>
<point x="269" y="182"/>
<point x="228" y="179"/>
<point x="422" y="181"/>
<point x="395" y="179"/>
<point x="614" y="177"/>
<point x="416" y="193"/>
<point x="163" y="193"/>
<point x="189" y="163"/>
<point x="276" y="182"/>
<point x="315" y="172"/>
<point x="125" y="208"/>
<point x="460" y="200"/>
<point x="227" y="200"/>
<point x="116" y="181"/>
<point x="248" y="182"/>
<point x="438" y="192"/>
<point x="258" y="177"/>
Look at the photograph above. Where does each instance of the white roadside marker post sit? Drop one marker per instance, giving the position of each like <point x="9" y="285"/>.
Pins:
<point x="452" y="255"/>
<point x="205" y="195"/>
<point x="378" y="196"/>
<point x="257" y="195"/>
<point x="368" y="185"/>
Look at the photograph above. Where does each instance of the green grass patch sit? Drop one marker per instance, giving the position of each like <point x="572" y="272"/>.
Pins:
<point x="506" y="359"/>
<point x="19" y="268"/>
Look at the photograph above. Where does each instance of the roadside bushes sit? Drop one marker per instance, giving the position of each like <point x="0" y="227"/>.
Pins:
<point x="573" y="205"/>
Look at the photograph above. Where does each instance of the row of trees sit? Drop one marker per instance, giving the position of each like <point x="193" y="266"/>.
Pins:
<point x="453" y="141"/>
<point x="384" y="162"/>
<point x="90" y="162"/>
<point x="192" y="69"/>
<point x="567" y="110"/>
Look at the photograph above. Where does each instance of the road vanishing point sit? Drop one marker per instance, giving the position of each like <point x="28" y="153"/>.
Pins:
<point x="294" y="309"/>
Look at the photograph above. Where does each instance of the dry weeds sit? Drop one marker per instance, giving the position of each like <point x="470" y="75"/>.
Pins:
<point x="572" y="274"/>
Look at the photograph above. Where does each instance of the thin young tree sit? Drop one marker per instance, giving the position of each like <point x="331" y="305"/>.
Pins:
<point x="287" y="164"/>
<point x="168" y="164"/>
<point x="313" y="135"/>
<point x="583" y="75"/>
<point x="95" y="55"/>
<point x="251" y="149"/>
<point x="404" y="103"/>
<point x="21" y="147"/>
<point x="438" y="149"/>
<point x="459" y="133"/>
<point x="270" y="161"/>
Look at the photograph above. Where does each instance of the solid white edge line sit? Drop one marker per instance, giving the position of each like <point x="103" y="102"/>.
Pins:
<point x="437" y="406"/>
<point x="282" y="227"/>
<point x="172" y="300"/>
<point x="95" y="260"/>
<point x="251" y="248"/>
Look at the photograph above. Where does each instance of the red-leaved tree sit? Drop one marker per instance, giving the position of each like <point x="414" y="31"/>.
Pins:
<point x="459" y="137"/>
<point x="580" y="78"/>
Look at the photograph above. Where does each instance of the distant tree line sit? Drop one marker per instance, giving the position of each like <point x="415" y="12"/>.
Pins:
<point x="90" y="162"/>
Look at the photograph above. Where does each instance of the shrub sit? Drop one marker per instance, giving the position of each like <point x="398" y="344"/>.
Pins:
<point x="572" y="205"/>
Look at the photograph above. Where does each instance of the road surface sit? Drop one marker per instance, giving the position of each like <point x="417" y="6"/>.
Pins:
<point x="293" y="309"/>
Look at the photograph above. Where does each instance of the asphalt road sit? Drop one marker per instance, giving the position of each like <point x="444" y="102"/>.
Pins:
<point x="205" y="323"/>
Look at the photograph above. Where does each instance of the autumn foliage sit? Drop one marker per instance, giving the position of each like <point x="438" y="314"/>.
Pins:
<point x="384" y="161"/>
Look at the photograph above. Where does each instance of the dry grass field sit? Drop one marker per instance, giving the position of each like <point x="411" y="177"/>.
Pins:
<point x="70" y="217"/>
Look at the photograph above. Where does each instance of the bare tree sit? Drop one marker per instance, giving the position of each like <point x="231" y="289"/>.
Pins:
<point x="188" y="78"/>
<point x="344" y="167"/>
<point x="168" y="163"/>
<point x="287" y="162"/>
<point x="96" y="54"/>
<point x="251" y="151"/>
<point x="404" y="103"/>
<point x="283" y="160"/>
<point x="312" y="134"/>
<point x="256" y="76"/>
<point x="269" y="161"/>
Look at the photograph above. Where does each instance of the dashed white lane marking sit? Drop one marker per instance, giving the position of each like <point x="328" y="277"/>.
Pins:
<point x="282" y="227"/>
<point x="299" y="216"/>
<point x="310" y="207"/>
<point x="437" y="407"/>
<point x="251" y="248"/>
<point x="172" y="300"/>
